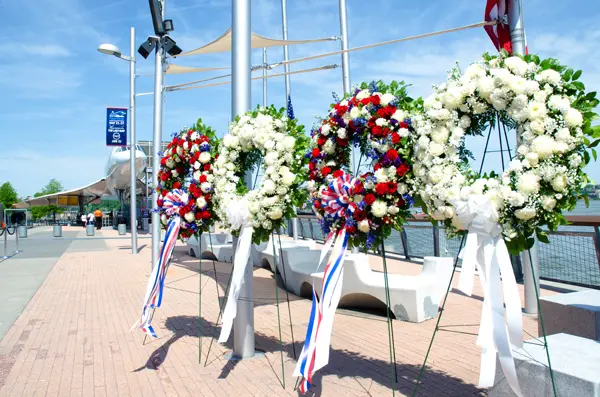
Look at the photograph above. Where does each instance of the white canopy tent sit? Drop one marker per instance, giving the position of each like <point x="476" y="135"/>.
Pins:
<point x="223" y="43"/>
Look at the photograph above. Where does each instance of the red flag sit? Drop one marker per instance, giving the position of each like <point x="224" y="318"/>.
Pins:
<point x="497" y="10"/>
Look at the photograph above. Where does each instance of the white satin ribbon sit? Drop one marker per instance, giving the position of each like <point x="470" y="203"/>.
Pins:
<point x="238" y="216"/>
<point x="486" y="251"/>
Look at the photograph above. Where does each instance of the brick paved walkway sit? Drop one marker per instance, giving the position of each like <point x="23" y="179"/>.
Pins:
<point x="73" y="338"/>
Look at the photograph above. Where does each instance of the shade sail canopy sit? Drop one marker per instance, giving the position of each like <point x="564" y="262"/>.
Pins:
<point x="223" y="43"/>
<point x="68" y="197"/>
<point x="178" y="69"/>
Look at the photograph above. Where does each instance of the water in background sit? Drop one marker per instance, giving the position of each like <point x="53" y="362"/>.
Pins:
<point x="571" y="255"/>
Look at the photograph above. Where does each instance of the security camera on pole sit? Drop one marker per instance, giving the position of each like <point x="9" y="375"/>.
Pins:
<point x="163" y="44"/>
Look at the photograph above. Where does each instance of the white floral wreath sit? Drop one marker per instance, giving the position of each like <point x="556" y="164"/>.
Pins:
<point x="282" y="144"/>
<point x="551" y="113"/>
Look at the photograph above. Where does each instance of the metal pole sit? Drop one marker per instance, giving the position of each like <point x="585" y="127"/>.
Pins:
<point x="346" y="75"/>
<point x="243" y="326"/>
<point x="344" y="36"/>
<point x="158" y="102"/>
<point x="264" y="79"/>
<point x="287" y="87"/>
<point x="517" y="38"/>
<point x="517" y="29"/>
<point x="531" y="264"/>
<point x="132" y="151"/>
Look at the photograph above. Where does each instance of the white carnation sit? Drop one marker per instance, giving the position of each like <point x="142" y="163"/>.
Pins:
<point x="525" y="214"/>
<point x="543" y="145"/>
<point x="201" y="202"/>
<point x="559" y="183"/>
<point x="288" y="179"/>
<point x="268" y="186"/>
<point x="276" y="213"/>
<point x="206" y="187"/>
<point x="386" y="99"/>
<point x="189" y="217"/>
<point x="341" y="133"/>
<point x="363" y="226"/>
<point x="573" y="118"/>
<point x="325" y="129"/>
<point x="204" y="157"/>
<point x="354" y="112"/>
<point x="528" y="183"/>
<point x="548" y="203"/>
<point x="379" y="208"/>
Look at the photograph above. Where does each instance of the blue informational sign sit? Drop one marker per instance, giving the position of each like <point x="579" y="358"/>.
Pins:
<point x="116" y="126"/>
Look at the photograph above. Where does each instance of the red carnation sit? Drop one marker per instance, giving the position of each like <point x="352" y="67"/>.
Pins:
<point x="375" y="100"/>
<point x="377" y="131"/>
<point x="182" y="212"/>
<point x="159" y="202"/>
<point x="164" y="177"/>
<point x="392" y="154"/>
<point x="401" y="202"/>
<point x="163" y="161"/>
<point x="377" y="166"/>
<point x="386" y="112"/>
<point x="180" y="141"/>
<point x="164" y="192"/>
<point x="403" y="124"/>
<point x="322" y="140"/>
<point x="198" y="215"/>
<point x="206" y="167"/>
<point x="370" y="198"/>
<point x="381" y="189"/>
<point x="365" y="101"/>
<point x="316" y="152"/>
<point x="177" y="185"/>
<point x="359" y="187"/>
<point x="341" y="110"/>
<point x="311" y="166"/>
<point x="395" y="138"/>
<point x="351" y="229"/>
<point x="360" y="215"/>
<point x="205" y="214"/>
<point x="402" y="170"/>
<point x="392" y="187"/>
<point x="203" y="178"/>
<point x="325" y="171"/>
<point x="341" y="142"/>
<point x="317" y="204"/>
<point x="338" y="173"/>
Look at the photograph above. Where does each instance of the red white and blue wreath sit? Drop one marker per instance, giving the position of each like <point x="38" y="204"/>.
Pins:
<point x="185" y="203"/>
<point x="355" y="210"/>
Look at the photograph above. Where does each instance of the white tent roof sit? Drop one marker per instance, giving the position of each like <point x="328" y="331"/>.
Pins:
<point x="93" y="190"/>
<point x="178" y="69"/>
<point x="223" y="43"/>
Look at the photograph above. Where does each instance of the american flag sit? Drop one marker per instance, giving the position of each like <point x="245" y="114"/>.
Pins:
<point x="497" y="10"/>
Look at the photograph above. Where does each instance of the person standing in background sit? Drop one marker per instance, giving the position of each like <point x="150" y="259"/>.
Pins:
<point x="98" y="216"/>
<point x="83" y="219"/>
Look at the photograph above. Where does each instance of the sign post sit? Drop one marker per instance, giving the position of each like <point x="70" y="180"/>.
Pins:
<point x="116" y="126"/>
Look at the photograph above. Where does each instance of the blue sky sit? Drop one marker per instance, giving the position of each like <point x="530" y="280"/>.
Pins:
<point x="55" y="85"/>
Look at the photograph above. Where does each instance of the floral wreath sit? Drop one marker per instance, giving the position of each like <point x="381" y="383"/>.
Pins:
<point x="375" y="118"/>
<point x="186" y="168"/>
<point x="547" y="105"/>
<point x="269" y="134"/>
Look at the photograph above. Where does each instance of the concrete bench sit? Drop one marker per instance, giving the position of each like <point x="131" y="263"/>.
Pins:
<point x="412" y="298"/>
<point x="265" y="257"/>
<point x="575" y="313"/>
<point x="220" y="249"/>
<point x="575" y="363"/>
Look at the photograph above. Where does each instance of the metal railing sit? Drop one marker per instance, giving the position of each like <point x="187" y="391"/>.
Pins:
<point x="572" y="257"/>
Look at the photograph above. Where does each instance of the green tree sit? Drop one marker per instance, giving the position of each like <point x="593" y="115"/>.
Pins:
<point x="8" y="195"/>
<point x="53" y="186"/>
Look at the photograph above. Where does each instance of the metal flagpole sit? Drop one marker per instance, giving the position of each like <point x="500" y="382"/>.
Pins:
<point x="286" y="67"/>
<point x="243" y="326"/>
<point x="132" y="151"/>
<point x="346" y="77"/>
<point x="157" y="139"/>
<point x="529" y="258"/>
<point x="264" y="81"/>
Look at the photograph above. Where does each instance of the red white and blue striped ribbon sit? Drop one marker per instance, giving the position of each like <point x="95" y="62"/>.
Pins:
<point x="315" y="353"/>
<point x="338" y="198"/>
<point x="154" y="291"/>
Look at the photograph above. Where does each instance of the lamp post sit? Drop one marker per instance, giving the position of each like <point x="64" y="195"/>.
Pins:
<point x="113" y="50"/>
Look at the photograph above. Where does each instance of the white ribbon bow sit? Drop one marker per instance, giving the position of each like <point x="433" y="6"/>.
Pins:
<point x="238" y="216"/>
<point x="485" y="250"/>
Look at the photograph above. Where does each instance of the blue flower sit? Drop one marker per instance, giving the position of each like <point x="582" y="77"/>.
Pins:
<point x="370" y="239"/>
<point x="373" y="86"/>
<point x="408" y="199"/>
<point x="204" y="147"/>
